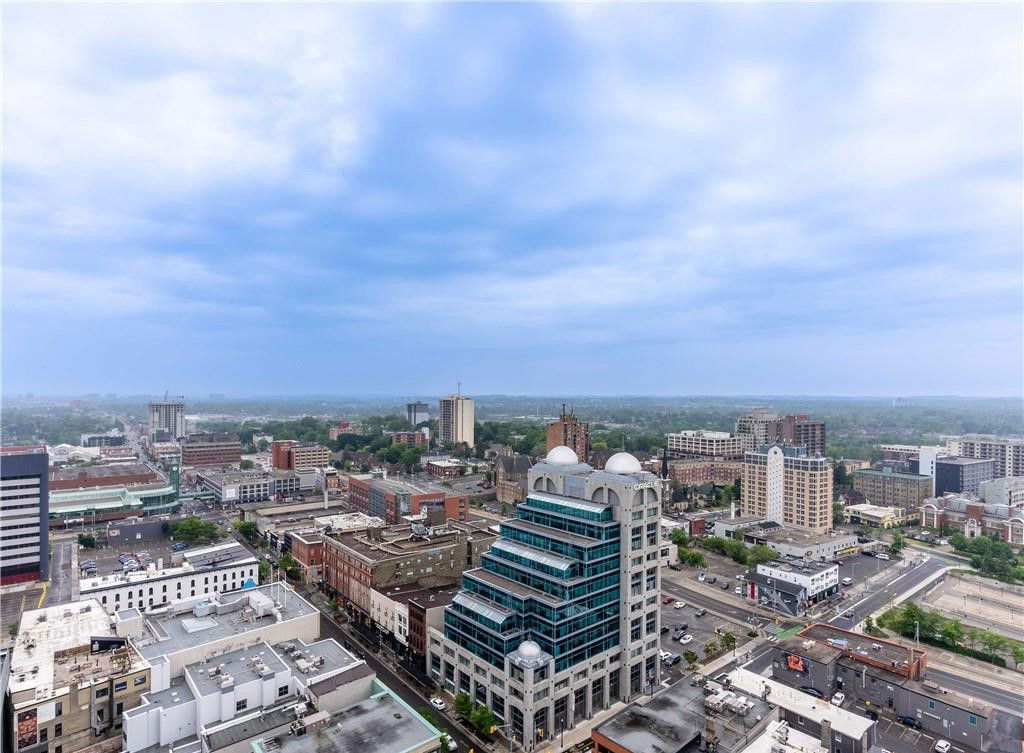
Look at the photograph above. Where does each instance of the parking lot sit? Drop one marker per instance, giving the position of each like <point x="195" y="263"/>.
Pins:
<point x="981" y="603"/>
<point x="107" y="558"/>
<point x="702" y="629"/>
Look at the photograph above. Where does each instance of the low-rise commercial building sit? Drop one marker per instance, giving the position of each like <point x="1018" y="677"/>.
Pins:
<point x="880" y="674"/>
<point x="383" y="558"/>
<point x="112" y="438"/>
<point x="214" y="569"/>
<point x="877" y="516"/>
<point x="209" y="449"/>
<point x="446" y="467"/>
<point x="788" y="542"/>
<point x="973" y="517"/>
<point x="792" y="586"/>
<point x="71" y="679"/>
<point x="411" y="438"/>
<point x="111" y="503"/>
<point x="232" y="487"/>
<point x="886" y="488"/>
<point x="95" y="476"/>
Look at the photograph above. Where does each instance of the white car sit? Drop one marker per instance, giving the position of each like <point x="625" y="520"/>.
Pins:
<point x="701" y="577"/>
<point x="686" y="639"/>
<point x="942" y="746"/>
<point x="679" y="605"/>
<point x="664" y="654"/>
<point x="837" y="699"/>
<point x="449" y="742"/>
<point x="438" y="703"/>
<point x="738" y="591"/>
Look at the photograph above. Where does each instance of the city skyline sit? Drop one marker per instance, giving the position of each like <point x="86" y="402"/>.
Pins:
<point x="660" y="200"/>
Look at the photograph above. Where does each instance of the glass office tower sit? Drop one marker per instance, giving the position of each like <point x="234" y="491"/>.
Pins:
<point x="561" y="619"/>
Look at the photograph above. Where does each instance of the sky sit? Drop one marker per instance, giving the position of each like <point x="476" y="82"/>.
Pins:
<point x="527" y="199"/>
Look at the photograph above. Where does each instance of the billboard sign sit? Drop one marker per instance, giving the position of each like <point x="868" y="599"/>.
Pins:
<point x="796" y="664"/>
<point x="27" y="728"/>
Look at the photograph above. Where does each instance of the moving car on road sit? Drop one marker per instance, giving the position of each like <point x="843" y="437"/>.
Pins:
<point x="837" y="699"/>
<point x="438" y="703"/>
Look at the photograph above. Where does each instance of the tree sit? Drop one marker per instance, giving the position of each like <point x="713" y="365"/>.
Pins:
<point x="195" y="531"/>
<point x="1018" y="654"/>
<point x="264" y="571"/>
<point x="994" y="643"/>
<point x="898" y="542"/>
<point x="482" y="719"/>
<point x="838" y="514"/>
<point x="952" y="632"/>
<point x="463" y="705"/>
<point x="839" y="475"/>
<point x="679" y="537"/>
<point x="248" y="530"/>
<point x="691" y="658"/>
<point x="760" y="553"/>
<point x="333" y="605"/>
<point x="972" y="636"/>
<point x="87" y="540"/>
<point x="710" y="648"/>
<point x="246" y="465"/>
<point x="728" y="641"/>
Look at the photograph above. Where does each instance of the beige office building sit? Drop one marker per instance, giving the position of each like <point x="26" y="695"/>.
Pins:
<point x="715" y="444"/>
<point x="457" y="419"/>
<point x="782" y="484"/>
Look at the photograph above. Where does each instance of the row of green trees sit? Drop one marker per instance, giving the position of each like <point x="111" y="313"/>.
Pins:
<point x="738" y="551"/>
<point x="479" y="716"/>
<point x="933" y="628"/>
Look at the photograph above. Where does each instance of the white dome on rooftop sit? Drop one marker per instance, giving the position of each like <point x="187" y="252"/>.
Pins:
<point x="531" y="649"/>
<point x="622" y="462"/>
<point x="562" y="455"/>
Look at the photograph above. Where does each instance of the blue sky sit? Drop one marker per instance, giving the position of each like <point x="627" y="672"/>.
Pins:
<point x="529" y="199"/>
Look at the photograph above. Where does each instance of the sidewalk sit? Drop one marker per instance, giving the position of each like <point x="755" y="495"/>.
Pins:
<point x="1004" y="677"/>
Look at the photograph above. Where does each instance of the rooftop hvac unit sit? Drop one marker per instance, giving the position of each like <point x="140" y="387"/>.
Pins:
<point x="264" y="670"/>
<point x="781" y="732"/>
<point x="299" y="709"/>
<point x="777" y="748"/>
<point x="226" y="682"/>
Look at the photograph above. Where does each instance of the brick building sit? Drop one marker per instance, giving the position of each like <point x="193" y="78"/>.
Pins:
<point x="510" y="477"/>
<point x="698" y="471"/>
<point x="887" y="488"/>
<point x="95" y="476"/>
<point x="569" y="431"/>
<point x="211" y="449"/>
<point x="414" y="438"/>
<point x="289" y="455"/>
<point x="391" y="500"/>
<point x="380" y="558"/>
<point x="974" y="517"/>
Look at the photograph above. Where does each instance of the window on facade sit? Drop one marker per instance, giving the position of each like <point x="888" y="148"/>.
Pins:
<point x="973" y="720"/>
<point x="139" y="681"/>
<point x="636" y="537"/>
<point x="240" y="705"/>
<point x="58" y="708"/>
<point x="931" y="705"/>
<point x="58" y="729"/>
<point x="102" y="693"/>
<point x="634" y="629"/>
<point x="119" y="709"/>
<point x="283" y="690"/>
<point x="119" y="686"/>
<point x="43" y="735"/>
<point x="651" y="625"/>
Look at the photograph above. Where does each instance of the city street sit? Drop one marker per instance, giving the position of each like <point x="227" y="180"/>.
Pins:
<point x="58" y="590"/>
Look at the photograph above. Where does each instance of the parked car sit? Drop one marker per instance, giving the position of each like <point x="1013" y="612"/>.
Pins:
<point x="666" y="599"/>
<point x="882" y="556"/>
<point x="438" y="703"/>
<point x="673" y="659"/>
<point x="179" y="546"/>
<point x="738" y="591"/>
<point x="683" y="626"/>
<point x="909" y="721"/>
<point x="678" y="633"/>
<point x="871" y="714"/>
<point x="449" y="742"/>
<point x="686" y="639"/>
<point x="700" y="612"/>
<point x="664" y="629"/>
<point x="679" y="605"/>
<point x="674" y="567"/>
<point x="712" y="578"/>
<point x="847" y="581"/>
<point x="838" y="698"/>
<point x="664" y="655"/>
<point x="812" y="691"/>
<point x="725" y="585"/>
<point x="942" y="746"/>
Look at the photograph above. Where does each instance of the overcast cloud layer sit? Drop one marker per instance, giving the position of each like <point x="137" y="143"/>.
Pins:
<point x="527" y="199"/>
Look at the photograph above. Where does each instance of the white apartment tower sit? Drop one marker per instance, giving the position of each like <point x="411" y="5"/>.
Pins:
<point x="457" y="419"/>
<point x="169" y="417"/>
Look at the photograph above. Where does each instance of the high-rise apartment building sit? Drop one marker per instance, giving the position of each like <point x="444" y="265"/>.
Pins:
<point x="417" y="413"/>
<point x="803" y="431"/>
<point x="569" y="431"/>
<point x="561" y="620"/>
<point x="457" y="420"/>
<point x="1007" y="452"/>
<point x="167" y="417"/>
<point x="760" y="427"/>
<point x="705" y="444"/>
<point x="24" y="514"/>
<point x="781" y="483"/>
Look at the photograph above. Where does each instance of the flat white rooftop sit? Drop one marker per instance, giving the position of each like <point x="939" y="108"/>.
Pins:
<point x="807" y="706"/>
<point x="230" y="554"/>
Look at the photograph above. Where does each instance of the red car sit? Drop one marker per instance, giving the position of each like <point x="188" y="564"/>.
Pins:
<point x="667" y="599"/>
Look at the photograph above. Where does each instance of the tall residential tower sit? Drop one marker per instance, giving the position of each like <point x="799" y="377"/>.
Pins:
<point x="456" y="422"/>
<point x="570" y="432"/>
<point x="24" y="514"/>
<point x="562" y="618"/>
<point x="166" y="421"/>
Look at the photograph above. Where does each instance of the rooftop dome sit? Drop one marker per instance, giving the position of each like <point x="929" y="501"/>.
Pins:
<point x="622" y="462"/>
<point x="531" y="649"/>
<point x="561" y="455"/>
